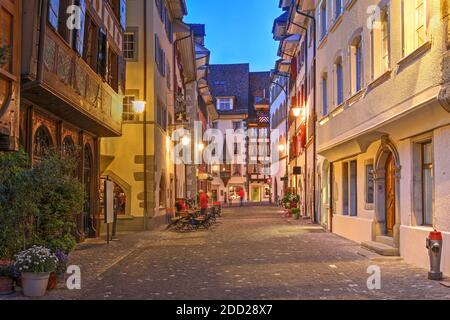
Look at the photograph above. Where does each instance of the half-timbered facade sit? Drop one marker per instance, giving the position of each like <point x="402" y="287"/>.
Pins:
<point x="72" y="86"/>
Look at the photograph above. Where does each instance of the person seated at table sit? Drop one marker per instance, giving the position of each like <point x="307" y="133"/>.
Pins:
<point x="204" y="200"/>
<point x="180" y="205"/>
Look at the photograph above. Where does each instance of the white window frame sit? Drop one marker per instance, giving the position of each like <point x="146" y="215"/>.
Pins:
<point x="380" y="41"/>
<point x="134" y="33"/>
<point x="411" y="23"/>
<point x="222" y="101"/>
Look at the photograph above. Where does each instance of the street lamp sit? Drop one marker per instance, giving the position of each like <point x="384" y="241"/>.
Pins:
<point x="186" y="140"/>
<point x="281" y="148"/>
<point x="297" y="111"/>
<point x="139" y="106"/>
<point x="201" y="147"/>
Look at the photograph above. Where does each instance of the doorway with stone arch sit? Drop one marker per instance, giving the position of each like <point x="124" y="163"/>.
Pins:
<point x="387" y="196"/>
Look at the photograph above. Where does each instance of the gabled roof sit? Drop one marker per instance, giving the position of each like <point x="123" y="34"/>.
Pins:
<point x="259" y="90"/>
<point x="231" y="80"/>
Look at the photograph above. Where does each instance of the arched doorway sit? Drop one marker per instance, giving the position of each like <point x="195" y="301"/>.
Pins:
<point x="88" y="212"/>
<point x="387" y="179"/>
<point x="68" y="146"/>
<point x="42" y="143"/>
<point x="325" y="193"/>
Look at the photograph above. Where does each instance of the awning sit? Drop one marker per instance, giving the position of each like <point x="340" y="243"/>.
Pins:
<point x="178" y="8"/>
<point x="185" y="47"/>
<point x="179" y="26"/>
<point x="279" y="26"/>
<point x="283" y="66"/>
<point x="288" y="47"/>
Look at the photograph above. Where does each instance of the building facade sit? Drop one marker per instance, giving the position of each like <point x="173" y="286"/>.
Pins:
<point x="10" y="51"/>
<point x="166" y="70"/>
<point x="278" y="124"/>
<point x="296" y="50"/>
<point x="72" y="84"/>
<point x="384" y="122"/>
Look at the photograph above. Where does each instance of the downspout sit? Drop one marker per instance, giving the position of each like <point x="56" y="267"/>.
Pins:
<point x="313" y="19"/>
<point x="145" y="121"/>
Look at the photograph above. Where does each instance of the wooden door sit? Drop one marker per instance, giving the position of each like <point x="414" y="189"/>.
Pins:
<point x="390" y="195"/>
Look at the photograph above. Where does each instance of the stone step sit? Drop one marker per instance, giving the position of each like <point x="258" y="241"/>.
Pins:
<point x="389" y="241"/>
<point x="381" y="248"/>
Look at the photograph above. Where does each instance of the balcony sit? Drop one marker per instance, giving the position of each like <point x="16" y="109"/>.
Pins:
<point x="70" y="89"/>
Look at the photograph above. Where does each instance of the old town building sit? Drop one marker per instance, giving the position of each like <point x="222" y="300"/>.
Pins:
<point x="242" y="102"/>
<point x="383" y="122"/>
<point x="72" y="86"/>
<point x="296" y="71"/>
<point x="166" y="67"/>
<point x="10" y="46"/>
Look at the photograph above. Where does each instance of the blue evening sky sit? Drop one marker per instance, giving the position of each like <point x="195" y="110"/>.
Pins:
<point x="238" y="31"/>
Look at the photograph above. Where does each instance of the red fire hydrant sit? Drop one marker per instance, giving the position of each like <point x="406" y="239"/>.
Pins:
<point x="434" y="246"/>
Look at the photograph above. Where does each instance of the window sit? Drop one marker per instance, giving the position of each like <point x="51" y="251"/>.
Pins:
<point x="380" y="44"/>
<point x="323" y="19"/>
<point x="129" y="113"/>
<point x="225" y="104"/>
<point x="337" y="8"/>
<point x="339" y="82"/>
<point x="78" y="39"/>
<point x="427" y="183"/>
<point x="169" y="76"/>
<point x="42" y="142"/>
<point x="349" y="185"/>
<point x="215" y="125"/>
<point x="6" y="33"/>
<point x="161" y="115"/>
<point x="53" y="13"/>
<point x="414" y="25"/>
<point x="237" y="125"/>
<point x="356" y="64"/>
<point x="324" y="95"/>
<point x="102" y="53"/>
<point x="160" y="57"/>
<point x="369" y="184"/>
<point x="130" y="48"/>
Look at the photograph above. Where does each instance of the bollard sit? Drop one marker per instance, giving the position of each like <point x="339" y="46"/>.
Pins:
<point x="434" y="246"/>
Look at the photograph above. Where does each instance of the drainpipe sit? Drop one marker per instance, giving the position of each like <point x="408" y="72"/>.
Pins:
<point x="145" y="121"/>
<point x="313" y="19"/>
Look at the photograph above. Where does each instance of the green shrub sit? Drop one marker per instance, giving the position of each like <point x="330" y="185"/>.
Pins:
<point x="38" y="204"/>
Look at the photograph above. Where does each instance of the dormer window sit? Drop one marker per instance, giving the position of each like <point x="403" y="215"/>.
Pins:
<point x="225" y="104"/>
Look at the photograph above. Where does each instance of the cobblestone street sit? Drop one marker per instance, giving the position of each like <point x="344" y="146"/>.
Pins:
<point x="252" y="253"/>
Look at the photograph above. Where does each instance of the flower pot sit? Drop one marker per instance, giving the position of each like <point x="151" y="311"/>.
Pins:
<point x="35" y="284"/>
<point x="52" y="281"/>
<point x="6" y="286"/>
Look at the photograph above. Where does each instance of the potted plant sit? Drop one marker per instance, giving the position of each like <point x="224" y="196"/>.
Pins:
<point x="60" y="269"/>
<point x="35" y="265"/>
<point x="296" y="213"/>
<point x="6" y="280"/>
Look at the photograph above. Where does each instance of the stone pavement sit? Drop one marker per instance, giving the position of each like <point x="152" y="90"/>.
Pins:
<point x="252" y="253"/>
